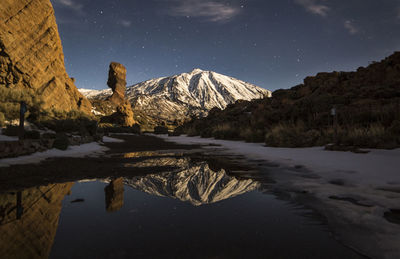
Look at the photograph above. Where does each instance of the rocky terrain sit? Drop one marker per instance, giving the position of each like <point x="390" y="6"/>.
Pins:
<point x="194" y="183"/>
<point x="360" y="109"/>
<point x="116" y="104"/>
<point x="31" y="56"/>
<point x="172" y="100"/>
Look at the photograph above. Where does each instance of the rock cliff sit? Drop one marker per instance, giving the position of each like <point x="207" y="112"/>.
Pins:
<point x="31" y="55"/>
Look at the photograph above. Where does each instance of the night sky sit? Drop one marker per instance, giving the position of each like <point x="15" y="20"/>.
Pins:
<point x="270" y="43"/>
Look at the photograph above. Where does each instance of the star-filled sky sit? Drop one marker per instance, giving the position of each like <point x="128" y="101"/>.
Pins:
<point x="271" y="43"/>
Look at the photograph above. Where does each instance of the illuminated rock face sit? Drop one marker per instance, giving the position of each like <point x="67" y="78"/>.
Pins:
<point x="117" y="82"/>
<point x="29" y="220"/>
<point x="31" y="55"/>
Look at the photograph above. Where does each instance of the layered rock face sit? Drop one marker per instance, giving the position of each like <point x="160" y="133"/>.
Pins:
<point x="117" y="82"/>
<point x="31" y="55"/>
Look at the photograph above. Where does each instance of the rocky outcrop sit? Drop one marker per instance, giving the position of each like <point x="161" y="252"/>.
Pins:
<point x="117" y="83"/>
<point x="359" y="109"/>
<point x="29" y="220"/>
<point x="31" y="55"/>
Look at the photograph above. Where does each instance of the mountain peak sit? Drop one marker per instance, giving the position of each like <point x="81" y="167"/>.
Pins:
<point x="179" y="97"/>
<point x="196" y="71"/>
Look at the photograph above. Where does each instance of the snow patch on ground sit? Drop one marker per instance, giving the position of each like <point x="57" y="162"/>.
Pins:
<point x="376" y="167"/>
<point x="353" y="191"/>
<point x="112" y="140"/>
<point x="7" y="138"/>
<point x="91" y="149"/>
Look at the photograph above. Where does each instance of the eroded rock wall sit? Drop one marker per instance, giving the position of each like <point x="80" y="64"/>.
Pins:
<point x="31" y="55"/>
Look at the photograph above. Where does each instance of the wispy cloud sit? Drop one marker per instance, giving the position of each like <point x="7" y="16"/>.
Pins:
<point x="314" y="6"/>
<point x="71" y="4"/>
<point x="125" y="23"/>
<point x="351" y="28"/>
<point x="211" y="11"/>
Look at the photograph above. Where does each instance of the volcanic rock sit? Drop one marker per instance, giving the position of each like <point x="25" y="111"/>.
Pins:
<point x="31" y="55"/>
<point x="117" y="82"/>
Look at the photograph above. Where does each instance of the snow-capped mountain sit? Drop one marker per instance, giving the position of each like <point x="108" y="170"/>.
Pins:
<point x="180" y="96"/>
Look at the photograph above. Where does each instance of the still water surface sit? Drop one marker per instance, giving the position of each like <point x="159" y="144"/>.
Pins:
<point x="191" y="212"/>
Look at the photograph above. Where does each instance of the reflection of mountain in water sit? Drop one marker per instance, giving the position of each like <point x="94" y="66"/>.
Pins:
<point x="197" y="184"/>
<point x="29" y="220"/>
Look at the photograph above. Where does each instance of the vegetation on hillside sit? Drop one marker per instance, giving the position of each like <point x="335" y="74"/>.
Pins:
<point x="367" y="105"/>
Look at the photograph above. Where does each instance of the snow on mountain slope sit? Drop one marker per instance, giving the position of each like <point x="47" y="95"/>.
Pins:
<point x="200" y="89"/>
<point x="181" y="96"/>
<point x="95" y="94"/>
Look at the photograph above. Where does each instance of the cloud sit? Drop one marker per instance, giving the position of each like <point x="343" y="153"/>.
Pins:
<point x="211" y="11"/>
<point x="71" y="4"/>
<point x="349" y="25"/>
<point x="125" y="23"/>
<point x="314" y="6"/>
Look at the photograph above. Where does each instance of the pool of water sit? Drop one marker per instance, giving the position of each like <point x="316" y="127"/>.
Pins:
<point x="191" y="212"/>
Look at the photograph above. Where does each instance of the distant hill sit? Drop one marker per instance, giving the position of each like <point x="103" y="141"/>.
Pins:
<point x="174" y="99"/>
<point x="366" y="103"/>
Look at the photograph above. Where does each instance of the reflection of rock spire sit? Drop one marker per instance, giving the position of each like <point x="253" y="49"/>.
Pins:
<point x="197" y="184"/>
<point x="29" y="233"/>
<point x="114" y="195"/>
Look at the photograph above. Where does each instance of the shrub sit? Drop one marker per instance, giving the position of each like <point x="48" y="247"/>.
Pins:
<point x="61" y="142"/>
<point x="292" y="135"/>
<point x="160" y="130"/>
<point x="105" y="128"/>
<point x="11" y="131"/>
<point x="225" y="131"/>
<point x="49" y="135"/>
<point x="251" y="135"/>
<point x="32" y="134"/>
<point x="2" y="119"/>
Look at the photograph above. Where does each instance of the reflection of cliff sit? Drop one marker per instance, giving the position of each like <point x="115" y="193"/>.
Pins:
<point x="197" y="184"/>
<point x="29" y="220"/>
